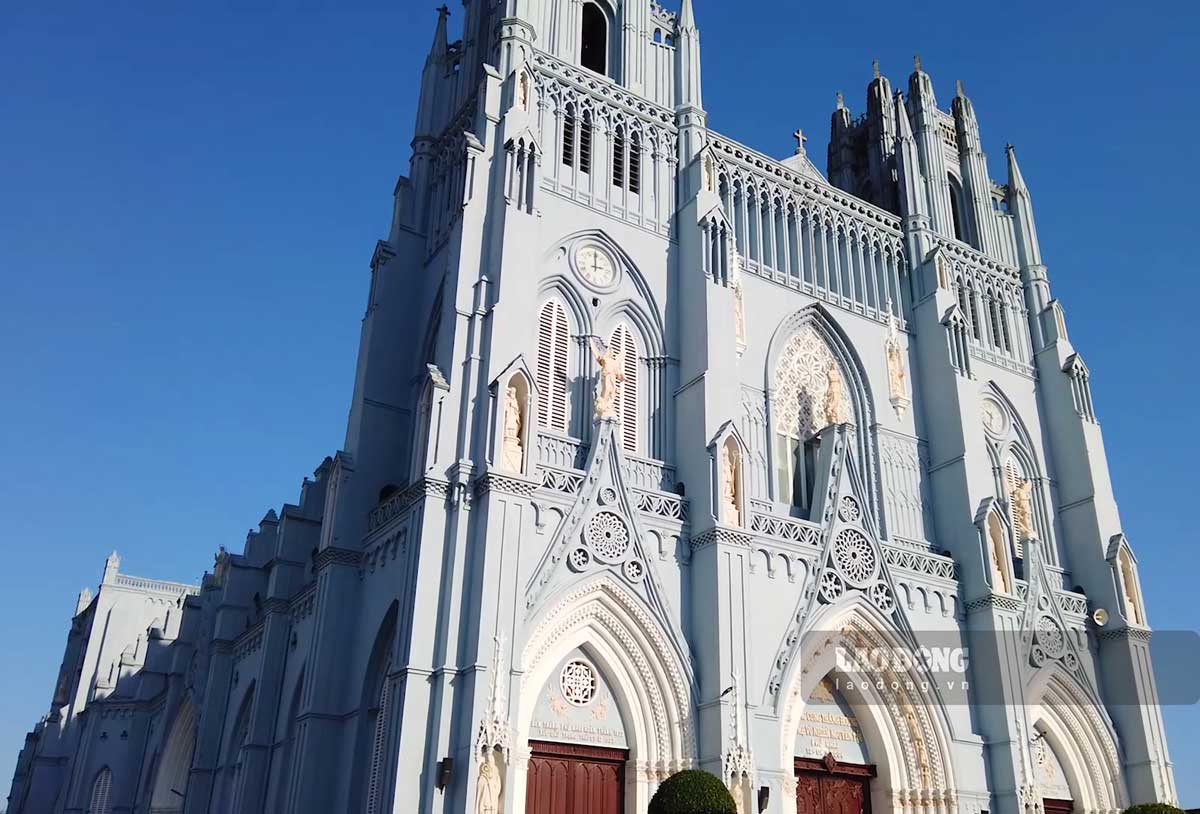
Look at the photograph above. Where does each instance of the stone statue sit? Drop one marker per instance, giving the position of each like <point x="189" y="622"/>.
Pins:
<point x="610" y="375"/>
<point x="523" y="91"/>
<point x="835" y="396"/>
<point x="1022" y="510"/>
<point x="513" y="453"/>
<point x="730" y="513"/>
<point x="487" y="790"/>
<point x="739" y="316"/>
<point x="897" y="374"/>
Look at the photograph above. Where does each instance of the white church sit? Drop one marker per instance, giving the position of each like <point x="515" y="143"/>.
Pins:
<point x="658" y="447"/>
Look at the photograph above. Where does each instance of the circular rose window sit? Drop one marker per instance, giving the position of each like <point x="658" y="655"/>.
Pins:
<point x="578" y="683"/>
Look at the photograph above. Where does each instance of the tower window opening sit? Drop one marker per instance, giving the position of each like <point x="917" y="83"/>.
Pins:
<point x="585" y="143"/>
<point x="594" y="40"/>
<point x="568" y="143"/>
<point x="956" y="210"/>
<point x="635" y="163"/>
<point x="618" y="163"/>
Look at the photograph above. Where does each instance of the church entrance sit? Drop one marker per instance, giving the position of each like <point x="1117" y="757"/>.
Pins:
<point x="570" y="778"/>
<point x="829" y="786"/>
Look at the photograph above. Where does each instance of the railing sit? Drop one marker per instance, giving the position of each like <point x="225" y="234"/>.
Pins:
<point x="798" y="231"/>
<point x="154" y="585"/>
<point x="642" y="473"/>
<point x="785" y="528"/>
<point x="561" y="452"/>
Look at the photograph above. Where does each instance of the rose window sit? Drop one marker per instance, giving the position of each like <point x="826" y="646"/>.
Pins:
<point x="881" y="595"/>
<point x="578" y="683"/>
<point x="831" y="586"/>
<point x="854" y="557"/>
<point x="634" y="570"/>
<point x="848" y="510"/>
<point x="607" y="535"/>
<point x="1050" y="635"/>
<point x="579" y="559"/>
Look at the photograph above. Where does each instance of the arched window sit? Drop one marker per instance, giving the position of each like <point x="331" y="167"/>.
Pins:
<point x="101" y="792"/>
<point x="568" y="140"/>
<point x="1014" y="474"/>
<point x="635" y="162"/>
<point x="552" y="353"/>
<point x="376" y="782"/>
<point x="233" y="753"/>
<point x="626" y="402"/>
<point x="618" y="156"/>
<point x="585" y="143"/>
<point x="289" y="750"/>
<point x="594" y="40"/>
<point x="956" y="204"/>
<point x="800" y="408"/>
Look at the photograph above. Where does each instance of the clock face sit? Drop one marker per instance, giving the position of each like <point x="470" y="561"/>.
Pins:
<point x="994" y="420"/>
<point x="596" y="266"/>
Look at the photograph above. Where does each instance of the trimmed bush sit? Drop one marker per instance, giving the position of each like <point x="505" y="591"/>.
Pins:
<point x="692" y="792"/>
<point x="1153" y="808"/>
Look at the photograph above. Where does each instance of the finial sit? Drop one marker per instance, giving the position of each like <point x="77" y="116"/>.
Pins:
<point x="443" y="10"/>
<point x="917" y="63"/>
<point x="875" y="67"/>
<point x="800" y="139"/>
<point x="841" y="100"/>
<point x="958" y="88"/>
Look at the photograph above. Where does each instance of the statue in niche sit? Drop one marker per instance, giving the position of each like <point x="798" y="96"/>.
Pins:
<point x="739" y="316"/>
<point x="611" y="374"/>
<point x="523" y="91"/>
<point x="897" y="373"/>
<point x="1022" y="510"/>
<point x="835" y="396"/>
<point x="730" y="512"/>
<point x="487" y="790"/>
<point x="710" y="181"/>
<point x="513" y="453"/>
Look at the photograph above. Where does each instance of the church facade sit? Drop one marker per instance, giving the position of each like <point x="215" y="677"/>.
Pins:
<point x="662" y="454"/>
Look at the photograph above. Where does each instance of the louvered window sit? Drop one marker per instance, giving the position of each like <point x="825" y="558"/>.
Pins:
<point x="635" y="163"/>
<point x="568" y="142"/>
<point x="1012" y="479"/>
<point x="585" y="143"/>
<point x="101" y="792"/>
<point x="375" y="781"/>
<point x="618" y="161"/>
<point x="626" y="402"/>
<point x="553" y="347"/>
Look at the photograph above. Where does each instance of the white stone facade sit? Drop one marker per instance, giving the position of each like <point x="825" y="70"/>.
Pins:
<point x="834" y="414"/>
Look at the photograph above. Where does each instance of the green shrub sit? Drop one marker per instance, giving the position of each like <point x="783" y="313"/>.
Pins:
<point x="692" y="792"/>
<point x="1153" y="808"/>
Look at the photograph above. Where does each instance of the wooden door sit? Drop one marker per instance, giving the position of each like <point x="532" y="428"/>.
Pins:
<point x="573" y="779"/>
<point x="1057" y="806"/>
<point x="830" y="787"/>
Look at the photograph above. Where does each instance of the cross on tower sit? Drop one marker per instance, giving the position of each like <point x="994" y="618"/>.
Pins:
<point x="800" y="139"/>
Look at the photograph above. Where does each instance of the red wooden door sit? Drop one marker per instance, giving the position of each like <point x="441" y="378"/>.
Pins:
<point x="830" y="787"/>
<point x="1057" y="806"/>
<point x="572" y="779"/>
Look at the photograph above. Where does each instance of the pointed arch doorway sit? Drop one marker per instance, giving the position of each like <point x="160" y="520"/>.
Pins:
<point x="833" y="783"/>
<point x="829" y="786"/>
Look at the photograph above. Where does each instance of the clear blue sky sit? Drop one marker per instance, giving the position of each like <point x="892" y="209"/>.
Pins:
<point x="190" y="193"/>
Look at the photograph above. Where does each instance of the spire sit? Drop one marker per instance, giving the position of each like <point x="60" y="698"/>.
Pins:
<point x="958" y="89"/>
<point x="903" y="125"/>
<point x="910" y="181"/>
<point x="841" y="101"/>
<point x="438" y="49"/>
<point x="875" y="68"/>
<point x="1020" y="206"/>
<point x="687" y="18"/>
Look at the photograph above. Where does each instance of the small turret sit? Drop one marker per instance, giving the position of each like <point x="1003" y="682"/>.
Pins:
<point x="112" y="566"/>
<point x="881" y="138"/>
<point x="926" y="121"/>
<point x="840" y="166"/>
<point x="1020" y="206"/>
<point x="431" y="76"/>
<point x="689" y="106"/>
<point x="909" y="180"/>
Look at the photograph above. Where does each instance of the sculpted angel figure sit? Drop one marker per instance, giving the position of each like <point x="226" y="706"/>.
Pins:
<point x="611" y="374"/>
<point x="835" y="396"/>
<point x="729" y="498"/>
<point x="1022" y="509"/>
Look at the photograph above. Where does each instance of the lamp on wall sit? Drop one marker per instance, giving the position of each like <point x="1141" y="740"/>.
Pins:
<point x="444" y="770"/>
<point x="764" y="796"/>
